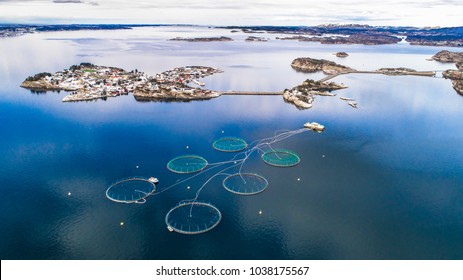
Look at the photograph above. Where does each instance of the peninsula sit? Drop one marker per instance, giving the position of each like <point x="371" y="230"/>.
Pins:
<point x="88" y="82"/>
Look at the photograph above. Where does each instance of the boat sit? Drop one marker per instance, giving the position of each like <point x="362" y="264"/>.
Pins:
<point x="352" y="104"/>
<point x="314" y="126"/>
<point x="153" y="180"/>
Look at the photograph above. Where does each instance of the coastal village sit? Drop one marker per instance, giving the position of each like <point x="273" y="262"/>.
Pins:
<point x="88" y="82"/>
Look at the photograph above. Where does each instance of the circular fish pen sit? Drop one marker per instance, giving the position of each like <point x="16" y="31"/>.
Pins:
<point x="281" y="158"/>
<point x="229" y="144"/>
<point x="245" y="183"/>
<point x="131" y="190"/>
<point x="193" y="218"/>
<point x="187" y="164"/>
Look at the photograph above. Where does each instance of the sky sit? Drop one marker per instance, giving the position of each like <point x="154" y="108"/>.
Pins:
<point x="227" y="12"/>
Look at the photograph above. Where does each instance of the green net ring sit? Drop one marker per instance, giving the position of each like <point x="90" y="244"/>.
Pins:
<point x="229" y="144"/>
<point x="187" y="164"/>
<point x="281" y="158"/>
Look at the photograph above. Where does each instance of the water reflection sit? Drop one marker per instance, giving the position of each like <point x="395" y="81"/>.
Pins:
<point x="383" y="181"/>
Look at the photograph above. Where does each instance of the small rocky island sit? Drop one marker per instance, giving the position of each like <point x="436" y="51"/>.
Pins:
<point x="310" y="65"/>
<point x="256" y="39"/>
<point x="448" y="57"/>
<point x="89" y="82"/>
<point x="203" y="39"/>
<point x="342" y="54"/>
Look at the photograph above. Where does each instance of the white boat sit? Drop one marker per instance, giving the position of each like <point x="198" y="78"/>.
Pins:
<point x="352" y="104"/>
<point x="314" y="126"/>
<point x="153" y="180"/>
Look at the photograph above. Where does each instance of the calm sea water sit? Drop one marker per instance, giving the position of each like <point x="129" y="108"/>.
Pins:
<point x="384" y="181"/>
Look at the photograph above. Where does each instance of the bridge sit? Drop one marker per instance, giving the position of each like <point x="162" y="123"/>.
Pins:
<point x="251" y="93"/>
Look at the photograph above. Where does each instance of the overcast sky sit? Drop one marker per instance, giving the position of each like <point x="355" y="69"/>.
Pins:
<point x="229" y="12"/>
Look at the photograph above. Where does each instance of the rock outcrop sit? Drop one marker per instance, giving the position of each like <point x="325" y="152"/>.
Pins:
<point x="307" y="64"/>
<point x="448" y="57"/>
<point x="342" y="54"/>
<point x="456" y="76"/>
<point x="256" y="39"/>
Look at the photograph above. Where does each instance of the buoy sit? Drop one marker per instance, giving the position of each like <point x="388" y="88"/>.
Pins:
<point x="122" y="223"/>
<point x="260" y="212"/>
<point x="188" y="187"/>
<point x="223" y="131"/>
<point x="323" y="155"/>
<point x="298" y="179"/>
<point x="136" y="166"/>
<point x="187" y="147"/>
<point x="69" y="193"/>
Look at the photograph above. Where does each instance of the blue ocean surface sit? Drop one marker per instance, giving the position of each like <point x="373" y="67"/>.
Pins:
<point x="383" y="181"/>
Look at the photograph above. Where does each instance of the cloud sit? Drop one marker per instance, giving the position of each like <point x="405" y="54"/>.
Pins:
<point x="226" y="12"/>
<point x="67" y="1"/>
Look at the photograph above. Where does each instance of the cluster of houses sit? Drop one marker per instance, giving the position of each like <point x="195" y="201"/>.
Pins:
<point x="87" y="81"/>
<point x="181" y="80"/>
<point x="16" y="31"/>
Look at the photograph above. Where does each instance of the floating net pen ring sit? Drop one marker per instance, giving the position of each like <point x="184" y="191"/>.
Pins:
<point x="245" y="183"/>
<point x="281" y="158"/>
<point x="230" y="144"/>
<point x="193" y="218"/>
<point x="131" y="190"/>
<point x="187" y="164"/>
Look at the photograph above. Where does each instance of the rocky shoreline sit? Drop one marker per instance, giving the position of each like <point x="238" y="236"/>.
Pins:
<point x="456" y="76"/>
<point x="303" y="95"/>
<point x="360" y="39"/>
